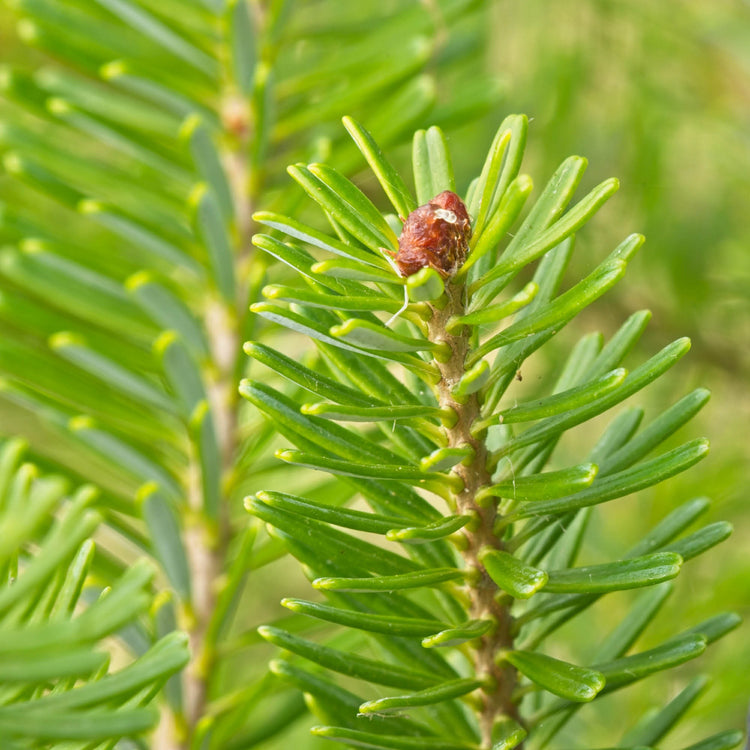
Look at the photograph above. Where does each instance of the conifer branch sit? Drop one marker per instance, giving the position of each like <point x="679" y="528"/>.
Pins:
<point x="483" y="591"/>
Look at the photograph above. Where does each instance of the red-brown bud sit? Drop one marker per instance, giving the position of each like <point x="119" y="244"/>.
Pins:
<point x="436" y="235"/>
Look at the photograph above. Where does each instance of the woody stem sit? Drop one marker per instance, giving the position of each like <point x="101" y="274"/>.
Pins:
<point x="500" y="679"/>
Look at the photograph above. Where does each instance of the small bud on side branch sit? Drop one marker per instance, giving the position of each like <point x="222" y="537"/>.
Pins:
<point x="435" y="235"/>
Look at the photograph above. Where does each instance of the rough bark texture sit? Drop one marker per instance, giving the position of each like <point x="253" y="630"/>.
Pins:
<point x="497" y="697"/>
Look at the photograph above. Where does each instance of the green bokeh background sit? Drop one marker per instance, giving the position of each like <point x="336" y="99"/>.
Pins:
<point x="658" y="94"/>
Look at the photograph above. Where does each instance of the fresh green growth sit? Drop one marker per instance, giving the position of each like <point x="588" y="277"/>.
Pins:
<point x="133" y="154"/>
<point x="55" y="677"/>
<point x="453" y="587"/>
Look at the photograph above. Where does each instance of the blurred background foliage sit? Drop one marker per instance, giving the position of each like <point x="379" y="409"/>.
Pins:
<point x="657" y="94"/>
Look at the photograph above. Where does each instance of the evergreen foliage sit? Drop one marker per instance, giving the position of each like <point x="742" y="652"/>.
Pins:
<point x="55" y="675"/>
<point x="459" y="605"/>
<point x="136" y="150"/>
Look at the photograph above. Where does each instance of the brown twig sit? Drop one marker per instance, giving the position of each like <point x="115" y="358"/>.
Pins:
<point x="497" y="696"/>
